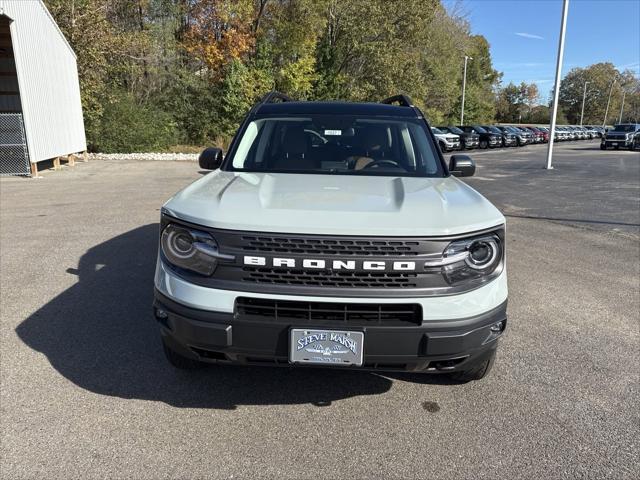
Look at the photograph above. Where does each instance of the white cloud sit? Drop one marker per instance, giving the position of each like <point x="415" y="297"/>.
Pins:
<point x="529" y="35"/>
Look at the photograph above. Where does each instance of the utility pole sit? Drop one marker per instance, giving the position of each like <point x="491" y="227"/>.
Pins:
<point x="464" y="86"/>
<point x="584" y="95"/>
<point x="556" y="89"/>
<point x="606" y="112"/>
<point x="622" y="106"/>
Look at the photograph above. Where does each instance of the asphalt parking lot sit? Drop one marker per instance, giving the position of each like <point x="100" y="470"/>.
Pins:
<point x="86" y="392"/>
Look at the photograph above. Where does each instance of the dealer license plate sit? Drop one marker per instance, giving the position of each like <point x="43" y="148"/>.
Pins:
<point x="328" y="347"/>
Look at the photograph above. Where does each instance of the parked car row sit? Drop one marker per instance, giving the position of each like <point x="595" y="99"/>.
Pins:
<point x="464" y="137"/>
<point x="575" y="132"/>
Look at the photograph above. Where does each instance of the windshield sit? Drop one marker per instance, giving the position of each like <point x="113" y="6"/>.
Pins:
<point x="493" y="129"/>
<point x="337" y="145"/>
<point x="437" y="131"/>
<point x="455" y="130"/>
<point x="624" y="128"/>
<point x="479" y="129"/>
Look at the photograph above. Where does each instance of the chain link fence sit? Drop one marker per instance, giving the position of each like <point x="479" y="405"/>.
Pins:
<point x="14" y="156"/>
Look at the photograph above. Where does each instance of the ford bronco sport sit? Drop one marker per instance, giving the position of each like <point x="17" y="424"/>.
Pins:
<point x="336" y="235"/>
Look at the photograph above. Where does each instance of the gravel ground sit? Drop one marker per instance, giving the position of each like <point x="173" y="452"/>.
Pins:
<point x="86" y="393"/>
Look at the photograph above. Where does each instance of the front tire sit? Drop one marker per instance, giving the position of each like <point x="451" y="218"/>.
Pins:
<point x="483" y="144"/>
<point x="179" y="361"/>
<point x="476" y="371"/>
<point x="603" y="146"/>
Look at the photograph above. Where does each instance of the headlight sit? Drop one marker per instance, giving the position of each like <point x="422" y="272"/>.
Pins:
<point x="483" y="253"/>
<point x="190" y="249"/>
<point x="472" y="259"/>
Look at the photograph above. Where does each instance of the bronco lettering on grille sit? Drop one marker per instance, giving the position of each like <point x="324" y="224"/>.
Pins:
<point x="320" y="264"/>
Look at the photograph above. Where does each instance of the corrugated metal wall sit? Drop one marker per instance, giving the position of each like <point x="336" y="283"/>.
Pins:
<point x="47" y="79"/>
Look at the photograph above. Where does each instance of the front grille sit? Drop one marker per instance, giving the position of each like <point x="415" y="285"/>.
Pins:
<point x="325" y="265"/>
<point x="345" y="279"/>
<point x="311" y="245"/>
<point x="351" y="314"/>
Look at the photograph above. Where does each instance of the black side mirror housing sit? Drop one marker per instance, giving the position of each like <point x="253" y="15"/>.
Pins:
<point x="210" y="158"/>
<point x="462" y="166"/>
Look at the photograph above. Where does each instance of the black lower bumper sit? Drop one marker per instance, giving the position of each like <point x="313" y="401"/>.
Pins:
<point x="617" y="143"/>
<point x="437" y="346"/>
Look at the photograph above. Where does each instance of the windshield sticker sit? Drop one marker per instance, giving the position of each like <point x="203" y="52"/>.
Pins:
<point x="333" y="132"/>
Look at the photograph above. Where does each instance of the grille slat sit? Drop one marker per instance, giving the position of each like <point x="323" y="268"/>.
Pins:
<point x="318" y="246"/>
<point x="351" y="314"/>
<point x="333" y="278"/>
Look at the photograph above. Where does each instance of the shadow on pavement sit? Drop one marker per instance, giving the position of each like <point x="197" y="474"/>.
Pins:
<point x="572" y="220"/>
<point x="100" y="334"/>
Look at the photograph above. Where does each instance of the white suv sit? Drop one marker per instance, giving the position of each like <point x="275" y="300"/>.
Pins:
<point x="336" y="235"/>
<point x="446" y="141"/>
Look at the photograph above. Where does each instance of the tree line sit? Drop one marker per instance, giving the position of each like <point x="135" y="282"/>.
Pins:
<point x="155" y="74"/>
<point x="604" y="84"/>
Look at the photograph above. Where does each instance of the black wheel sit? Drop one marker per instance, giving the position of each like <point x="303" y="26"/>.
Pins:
<point x="483" y="144"/>
<point x="477" y="371"/>
<point x="602" y="146"/>
<point x="179" y="361"/>
<point x="617" y="147"/>
<point x="443" y="148"/>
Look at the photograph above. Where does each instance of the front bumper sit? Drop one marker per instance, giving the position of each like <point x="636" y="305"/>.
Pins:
<point x="436" y="346"/>
<point x="620" y="142"/>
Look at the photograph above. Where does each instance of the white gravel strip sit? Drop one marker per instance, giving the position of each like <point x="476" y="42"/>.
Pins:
<point x="171" y="157"/>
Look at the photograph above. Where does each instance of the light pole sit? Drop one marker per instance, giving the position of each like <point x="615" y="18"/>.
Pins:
<point x="556" y="88"/>
<point x="606" y="111"/>
<point x="622" y="106"/>
<point x="464" y="86"/>
<point x="584" y="95"/>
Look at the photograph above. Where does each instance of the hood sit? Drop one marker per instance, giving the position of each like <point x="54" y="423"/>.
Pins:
<point x="334" y="204"/>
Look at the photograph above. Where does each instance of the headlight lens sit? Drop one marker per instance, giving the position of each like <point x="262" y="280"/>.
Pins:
<point x="483" y="253"/>
<point x="189" y="249"/>
<point x="483" y="257"/>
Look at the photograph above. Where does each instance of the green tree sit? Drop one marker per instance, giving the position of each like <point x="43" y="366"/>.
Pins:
<point x="198" y="65"/>
<point x="516" y="103"/>
<point x="602" y="79"/>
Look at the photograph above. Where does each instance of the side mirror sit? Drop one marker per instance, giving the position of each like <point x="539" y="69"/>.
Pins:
<point x="210" y="158"/>
<point x="462" y="166"/>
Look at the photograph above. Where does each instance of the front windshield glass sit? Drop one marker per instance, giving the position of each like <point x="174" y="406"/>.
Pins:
<point x="479" y="129"/>
<point x="624" y="128"/>
<point x="337" y="145"/>
<point x="437" y="131"/>
<point x="455" y="130"/>
<point x="493" y="129"/>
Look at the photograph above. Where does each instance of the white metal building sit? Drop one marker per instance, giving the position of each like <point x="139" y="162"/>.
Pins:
<point x="40" y="109"/>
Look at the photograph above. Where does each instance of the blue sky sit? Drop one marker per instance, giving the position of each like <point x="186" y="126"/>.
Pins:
<point x="523" y="35"/>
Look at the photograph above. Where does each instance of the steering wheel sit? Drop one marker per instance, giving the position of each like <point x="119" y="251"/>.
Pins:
<point x="381" y="163"/>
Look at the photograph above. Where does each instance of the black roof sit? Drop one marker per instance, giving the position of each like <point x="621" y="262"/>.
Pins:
<point x="334" y="108"/>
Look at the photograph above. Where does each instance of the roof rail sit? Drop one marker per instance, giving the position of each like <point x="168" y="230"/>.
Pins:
<point x="402" y="100"/>
<point x="272" y="96"/>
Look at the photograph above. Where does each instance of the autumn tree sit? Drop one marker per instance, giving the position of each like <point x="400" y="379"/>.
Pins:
<point x="602" y="79"/>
